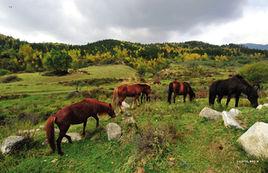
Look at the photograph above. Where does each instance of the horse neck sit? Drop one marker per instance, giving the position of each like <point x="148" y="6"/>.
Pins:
<point x="246" y="90"/>
<point x="101" y="108"/>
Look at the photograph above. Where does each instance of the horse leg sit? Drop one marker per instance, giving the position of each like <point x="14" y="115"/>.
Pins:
<point x="68" y="138"/>
<point x="184" y="98"/>
<point x="63" y="130"/>
<point x="237" y="100"/>
<point x="228" y="100"/>
<point x="219" y="99"/>
<point x="84" y="128"/>
<point x="97" y="120"/>
<point x="174" y="97"/>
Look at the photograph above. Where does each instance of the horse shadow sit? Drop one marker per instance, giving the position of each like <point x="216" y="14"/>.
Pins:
<point x="95" y="133"/>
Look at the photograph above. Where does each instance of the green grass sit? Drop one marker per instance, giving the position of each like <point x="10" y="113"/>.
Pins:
<point x="181" y="140"/>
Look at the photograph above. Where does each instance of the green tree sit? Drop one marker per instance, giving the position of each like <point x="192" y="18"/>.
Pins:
<point x="58" y="61"/>
<point x="256" y="72"/>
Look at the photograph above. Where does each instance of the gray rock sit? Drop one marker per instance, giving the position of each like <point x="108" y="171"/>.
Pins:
<point x="255" y="140"/>
<point x="74" y="136"/>
<point x="234" y="112"/>
<point x="210" y="113"/>
<point x="12" y="143"/>
<point x="113" y="131"/>
<point x="229" y="120"/>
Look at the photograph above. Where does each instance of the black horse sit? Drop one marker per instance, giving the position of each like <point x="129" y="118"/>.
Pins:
<point x="177" y="88"/>
<point x="233" y="86"/>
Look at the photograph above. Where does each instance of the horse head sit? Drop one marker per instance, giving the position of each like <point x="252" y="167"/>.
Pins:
<point x="253" y="97"/>
<point x="111" y="112"/>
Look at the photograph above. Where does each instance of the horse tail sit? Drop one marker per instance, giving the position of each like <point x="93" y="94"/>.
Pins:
<point x="191" y="91"/>
<point x="50" y="132"/>
<point x="170" y="90"/>
<point x="212" y="93"/>
<point x="115" y="98"/>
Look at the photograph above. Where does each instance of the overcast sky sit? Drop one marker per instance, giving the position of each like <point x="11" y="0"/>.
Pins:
<point x="146" y="21"/>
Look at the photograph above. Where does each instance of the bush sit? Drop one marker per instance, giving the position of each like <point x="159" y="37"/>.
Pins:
<point x="58" y="61"/>
<point x="256" y="72"/>
<point x="3" y="72"/>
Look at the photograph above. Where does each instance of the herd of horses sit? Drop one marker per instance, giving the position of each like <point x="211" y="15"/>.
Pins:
<point x="78" y="113"/>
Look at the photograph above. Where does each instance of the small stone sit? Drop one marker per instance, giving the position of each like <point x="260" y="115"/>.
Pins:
<point x="113" y="131"/>
<point x="74" y="136"/>
<point x="54" y="160"/>
<point x="210" y="113"/>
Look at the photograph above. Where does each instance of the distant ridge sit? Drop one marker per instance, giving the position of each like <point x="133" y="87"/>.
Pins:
<point x="256" y="46"/>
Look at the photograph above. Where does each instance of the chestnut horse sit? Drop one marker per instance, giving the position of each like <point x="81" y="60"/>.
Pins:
<point x="134" y="90"/>
<point x="76" y="113"/>
<point x="178" y="88"/>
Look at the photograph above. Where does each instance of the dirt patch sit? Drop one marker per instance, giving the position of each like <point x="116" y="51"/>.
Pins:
<point x="9" y="79"/>
<point x="13" y="96"/>
<point x="94" y="82"/>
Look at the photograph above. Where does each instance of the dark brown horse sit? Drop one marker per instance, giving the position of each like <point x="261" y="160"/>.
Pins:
<point x="233" y="86"/>
<point x="134" y="90"/>
<point x="75" y="114"/>
<point x="180" y="88"/>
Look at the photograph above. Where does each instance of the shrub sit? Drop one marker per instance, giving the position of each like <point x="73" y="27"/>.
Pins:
<point x="256" y="72"/>
<point x="3" y="72"/>
<point x="58" y="61"/>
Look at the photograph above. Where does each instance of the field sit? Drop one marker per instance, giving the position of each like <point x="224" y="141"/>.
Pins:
<point x="168" y="138"/>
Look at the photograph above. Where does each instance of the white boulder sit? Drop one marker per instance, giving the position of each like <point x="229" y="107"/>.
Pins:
<point x="234" y="112"/>
<point x="113" y="131"/>
<point x="229" y="120"/>
<point x="12" y="143"/>
<point x="255" y="140"/>
<point x="210" y="113"/>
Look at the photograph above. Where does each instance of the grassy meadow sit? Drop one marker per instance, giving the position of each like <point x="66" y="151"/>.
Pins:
<point x="168" y="138"/>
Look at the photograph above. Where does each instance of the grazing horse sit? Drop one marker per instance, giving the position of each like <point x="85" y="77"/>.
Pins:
<point x="134" y="90"/>
<point x="75" y="114"/>
<point x="178" y="88"/>
<point x="233" y="86"/>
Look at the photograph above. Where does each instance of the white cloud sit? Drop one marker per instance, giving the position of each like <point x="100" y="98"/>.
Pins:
<point x="82" y="21"/>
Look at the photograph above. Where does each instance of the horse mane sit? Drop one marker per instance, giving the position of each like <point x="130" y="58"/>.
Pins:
<point x="98" y="104"/>
<point x="242" y="80"/>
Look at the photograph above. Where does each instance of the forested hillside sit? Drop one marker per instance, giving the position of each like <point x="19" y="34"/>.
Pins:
<point x="16" y="55"/>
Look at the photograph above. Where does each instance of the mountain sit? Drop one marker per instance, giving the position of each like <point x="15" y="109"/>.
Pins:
<point x="256" y="46"/>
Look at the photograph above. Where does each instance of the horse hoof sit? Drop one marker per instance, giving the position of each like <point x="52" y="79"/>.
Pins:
<point x="61" y="153"/>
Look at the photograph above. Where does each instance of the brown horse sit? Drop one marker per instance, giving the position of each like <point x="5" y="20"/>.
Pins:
<point x="134" y="90"/>
<point x="146" y="92"/>
<point x="178" y="88"/>
<point x="75" y="114"/>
